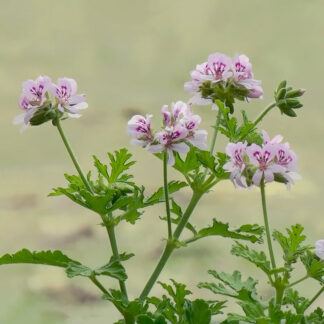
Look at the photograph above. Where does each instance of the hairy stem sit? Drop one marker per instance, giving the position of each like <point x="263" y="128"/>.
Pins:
<point x="114" y="248"/>
<point x="266" y="224"/>
<point x="72" y="156"/>
<point x="170" y="245"/>
<point x="110" y="229"/>
<point x="315" y="297"/>
<point x="213" y="142"/>
<point x="298" y="281"/>
<point x="98" y="284"/>
<point x="264" y="112"/>
<point x="166" y="192"/>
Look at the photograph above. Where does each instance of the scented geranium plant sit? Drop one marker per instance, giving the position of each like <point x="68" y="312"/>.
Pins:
<point x="250" y="159"/>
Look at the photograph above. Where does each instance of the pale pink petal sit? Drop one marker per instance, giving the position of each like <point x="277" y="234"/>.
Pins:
<point x="181" y="147"/>
<point x="156" y="148"/>
<point x="171" y="159"/>
<point x="18" y="119"/>
<point x="257" y="177"/>
<point x="268" y="175"/>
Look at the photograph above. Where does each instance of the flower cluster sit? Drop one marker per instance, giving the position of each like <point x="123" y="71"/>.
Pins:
<point x="35" y="100"/>
<point x="273" y="161"/>
<point x="180" y="129"/>
<point x="221" y="77"/>
<point x="319" y="249"/>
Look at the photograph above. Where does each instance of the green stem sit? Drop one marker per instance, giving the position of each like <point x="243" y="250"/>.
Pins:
<point x="213" y="142"/>
<point x="259" y="118"/>
<point x="298" y="281"/>
<point x="73" y="158"/>
<point x="170" y="246"/>
<point x="266" y="224"/>
<point x="98" y="284"/>
<point x="114" y="248"/>
<point x="264" y="112"/>
<point x="216" y="126"/>
<point x="110" y="229"/>
<point x="166" y="192"/>
<point x="315" y="297"/>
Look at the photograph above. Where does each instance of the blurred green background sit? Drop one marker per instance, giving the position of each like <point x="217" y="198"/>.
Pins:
<point x="131" y="57"/>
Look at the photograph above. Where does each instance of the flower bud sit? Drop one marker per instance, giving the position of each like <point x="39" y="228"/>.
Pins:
<point x="295" y="93"/>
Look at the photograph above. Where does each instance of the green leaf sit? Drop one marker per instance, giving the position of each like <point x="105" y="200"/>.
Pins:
<point x="291" y="244"/>
<point x="102" y="168"/>
<point x="198" y="312"/>
<point x="176" y="209"/>
<point x="53" y="258"/>
<point x="242" y="290"/>
<point x="207" y="160"/>
<point x="314" y="266"/>
<point x="216" y="306"/>
<point x="145" y="319"/>
<point x="316" y="317"/>
<point x="112" y="269"/>
<point x="75" y="269"/>
<point x="246" y="232"/>
<point x="119" y="163"/>
<point x="253" y="310"/>
<point x="292" y="298"/>
<point x="257" y="258"/>
<point x="158" y="196"/>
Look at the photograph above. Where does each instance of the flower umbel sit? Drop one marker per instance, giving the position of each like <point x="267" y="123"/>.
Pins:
<point x="273" y="160"/>
<point x="32" y="98"/>
<point x="224" y="79"/>
<point x="179" y="130"/>
<point x="38" y="107"/>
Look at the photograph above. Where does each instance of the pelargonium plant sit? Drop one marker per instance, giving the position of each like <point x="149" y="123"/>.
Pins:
<point x="250" y="159"/>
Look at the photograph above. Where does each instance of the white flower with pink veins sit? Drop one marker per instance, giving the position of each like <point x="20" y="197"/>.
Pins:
<point x="236" y="165"/>
<point x="180" y="129"/>
<point x="242" y="75"/>
<point x="139" y="127"/>
<point x="319" y="249"/>
<point x="32" y="98"/>
<point x="263" y="159"/>
<point x="65" y="92"/>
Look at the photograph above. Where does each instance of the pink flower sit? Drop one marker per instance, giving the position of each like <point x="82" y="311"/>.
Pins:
<point x="256" y="93"/>
<point x="68" y="100"/>
<point x="237" y="164"/>
<point x="35" y="91"/>
<point x="285" y="157"/>
<point x="171" y="140"/>
<point x="242" y="75"/>
<point x="139" y="128"/>
<point x="319" y="249"/>
<point x="32" y="98"/>
<point x="178" y="110"/>
<point x="180" y="129"/>
<point x="218" y="67"/>
<point x="263" y="159"/>
<point x="266" y="139"/>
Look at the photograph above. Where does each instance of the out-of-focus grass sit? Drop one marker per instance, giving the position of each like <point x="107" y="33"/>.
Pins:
<point x="132" y="57"/>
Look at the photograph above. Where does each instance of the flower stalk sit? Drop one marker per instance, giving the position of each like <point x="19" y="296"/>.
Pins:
<point x="170" y="246"/>
<point x="266" y="224"/>
<point x="166" y="193"/>
<point x="72" y="156"/>
<point x="110" y="228"/>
